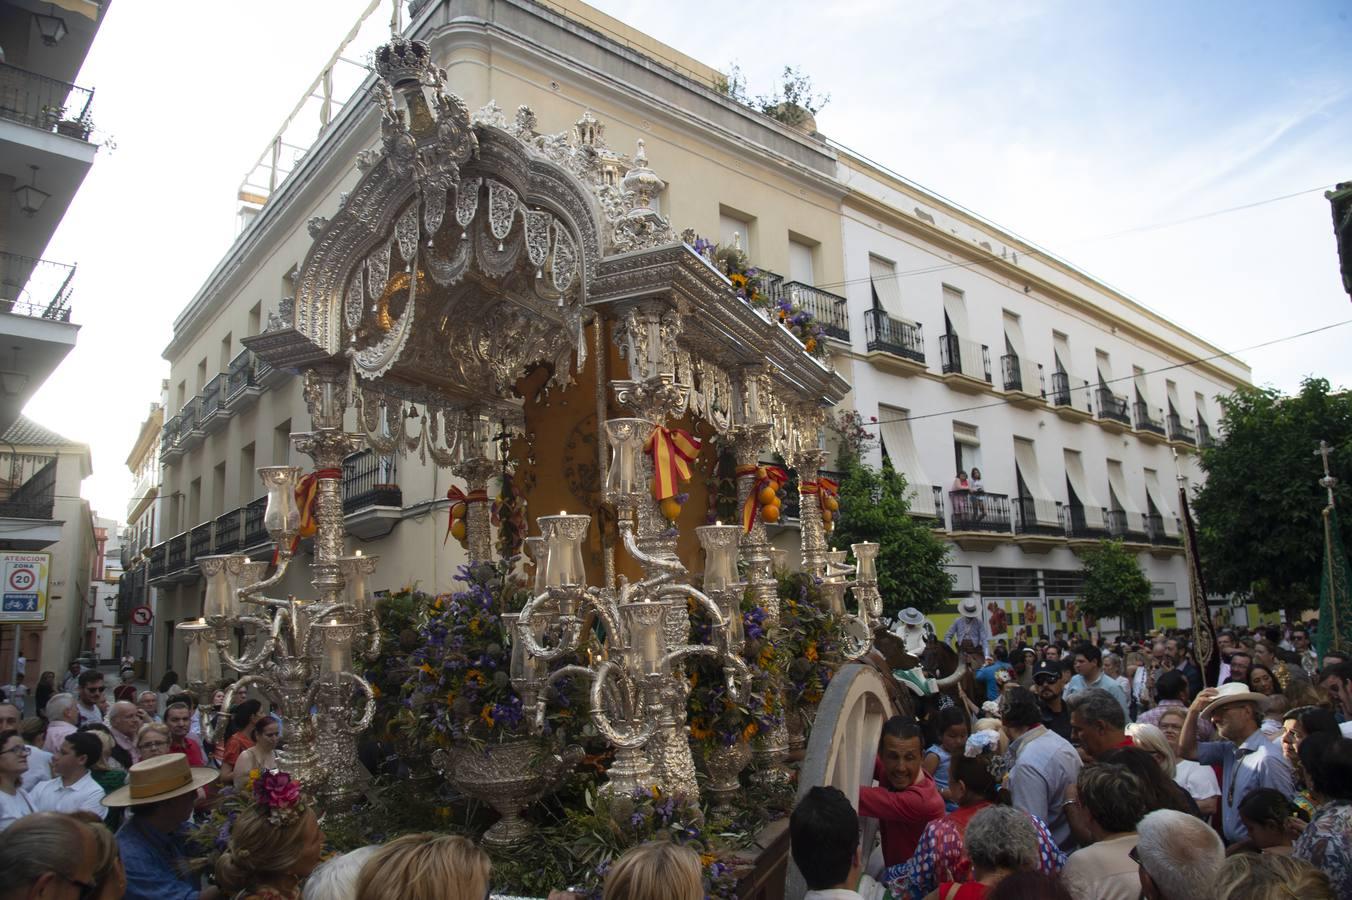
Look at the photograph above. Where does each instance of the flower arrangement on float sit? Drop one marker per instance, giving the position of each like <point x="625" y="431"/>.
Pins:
<point x="752" y="285"/>
<point x="810" y="645"/>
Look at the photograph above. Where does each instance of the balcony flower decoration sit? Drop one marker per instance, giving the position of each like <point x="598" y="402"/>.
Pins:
<point x="461" y="685"/>
<point x="752" y="286"/>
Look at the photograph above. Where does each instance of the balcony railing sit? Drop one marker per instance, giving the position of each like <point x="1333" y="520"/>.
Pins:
<point x="1180" y="432"/>
<point x="1127" y="526"/>
<point x="229" y="532"/>
<point x="369" y="479"/>
<point x="45" y="103"/>
<point x="1111" y="406"/>
<point x="35" y="498"/>
<point x="979" y="511"/>
<point x="212" y="396"/>
<point x="1019" y="376"/>
<point x="254" y="532"/>
<point x="1036" y="516"/>
<point x="1204" y="438"/>
<point x="828" y="309"/>
<point x="937" y="495"/>
<point x="177" y="557"/>
<point x="199" y="542"/>
<point x="894" y="336"/>
<point x="959" y="356"/>
<point x="1148" y="419"/>
<point x="1154" y="529"/>
<point x="1085" y="522"/>
<point x="241" y="374"/>
<point x="159" y="556"/>
<point x="38" y="288"/>
<point x="1068" y="390"/>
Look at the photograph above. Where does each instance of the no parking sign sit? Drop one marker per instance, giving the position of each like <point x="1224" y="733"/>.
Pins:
<point x="23" y="590"/>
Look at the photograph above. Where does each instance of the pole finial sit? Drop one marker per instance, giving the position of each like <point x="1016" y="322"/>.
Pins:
<point x="1328" y="481"/>
<point x="396" y="19"/>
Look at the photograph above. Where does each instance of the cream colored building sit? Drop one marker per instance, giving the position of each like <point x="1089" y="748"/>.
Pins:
<point x="798" y="205"/>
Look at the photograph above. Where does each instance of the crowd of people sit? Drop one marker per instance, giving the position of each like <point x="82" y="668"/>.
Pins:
<point x="1065" y="777"/>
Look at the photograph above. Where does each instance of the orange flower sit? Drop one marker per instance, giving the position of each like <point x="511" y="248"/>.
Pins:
<point x="810" y="652"/>
<point x="750" y="731"/>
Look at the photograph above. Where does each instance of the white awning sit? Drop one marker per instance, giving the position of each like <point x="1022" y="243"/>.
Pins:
<point x="1093" y="509"/>
<point x="1118" y="482"/>
<point x="1160" y="498"/>
<point x="884" y="276"/>
<point x="1044" y="505"/>
<point x="895" y="432"/>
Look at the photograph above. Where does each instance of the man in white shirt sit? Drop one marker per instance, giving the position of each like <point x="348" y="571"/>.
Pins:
<point x="17" y="693"/>
<point x="62" y="717"/>
<point x="39" y="760"/>
<point x="1089" y="674"/>
<point x="149" y="702"/>
<point x="71" y="683"/>
<point x="92" y="696"/>
<point x="73" y="788"/>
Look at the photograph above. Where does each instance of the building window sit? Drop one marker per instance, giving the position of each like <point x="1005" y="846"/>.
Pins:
<point x="734" y="229"/>
<point x="898" y="445"/>
<point x="248" y="475"/>
<point x="955" y="312"/>
<point x="800" y="262"/>
<point x="256" y="318"/>
<point x="966" y="448"/>
<point x="886" y="290"/>
<point x="281" y="444"/>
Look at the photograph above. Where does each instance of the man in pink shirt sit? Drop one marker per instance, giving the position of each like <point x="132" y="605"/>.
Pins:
<point x="62" y="716"/>
<point x="906" y="798"/>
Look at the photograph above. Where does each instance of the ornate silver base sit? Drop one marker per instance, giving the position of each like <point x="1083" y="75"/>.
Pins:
<point x="769" y="752"/>
<point x="724" y="765"/>
<point x="508" y="777"/>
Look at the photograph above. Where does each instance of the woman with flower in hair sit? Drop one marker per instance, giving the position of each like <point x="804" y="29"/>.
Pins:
<point x="262" y="756"/>
<point x="941" y="856"/>
<point x="273" y="845"/>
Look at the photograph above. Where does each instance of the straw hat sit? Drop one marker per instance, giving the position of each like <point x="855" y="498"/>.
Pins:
<point x="911" y="616"/>
<point x="1232" y="692"/>
<point x="969" y="607"/>
<point x="160" y="778"/>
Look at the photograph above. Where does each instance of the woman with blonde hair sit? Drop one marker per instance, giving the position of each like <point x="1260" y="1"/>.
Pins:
<point x="426" y="867"/>
<point x="273" y="845"/>
<point x="1198" y="780"/>
<point x="153" y="740"/>
<point x="658" y="870"/>
<point x="1265" y="876"/>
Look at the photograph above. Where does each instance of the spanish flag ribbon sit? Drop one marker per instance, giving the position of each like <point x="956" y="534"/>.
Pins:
<point x="307" y="491"/>
<point x="672" y="450"/>
<point x="459" y="498"/>
<point x="774" y="477"/>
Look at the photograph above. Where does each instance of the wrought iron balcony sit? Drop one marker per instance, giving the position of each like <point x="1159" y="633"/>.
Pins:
<point x="1127" y="526"/>
<point x="177" y="555"/>
<point x="1034" y="516"/>
<point x="242" y="375"/>
<point x="158" y="560"/>
<point x="979" y="511"/>
<point x="959" y="356"/>
<point x="1085" y="522"/>
<point x="38" y="288"/>
<point x="1019" y="376"/>
<point x="1148" y="420"/>
<point x="34" y="498"/>
<point x="1204" y="438"/>
<point x="213" y="397"/>
<point x="254" y="532"/>
<point x="938" y="519"/>
<point x="199" y="542"/>
<point x="828" y="309"/>
<point x="1070" y="391"/>
<point x="45" y="103"/>
<point x="1154" y="529"/>
<point x="1180" y="432"/>
<point x="1112" y="406"/>
<point x="229" y="532"/>
<point x="370" y="479"/>
<point x="895" y="336"/>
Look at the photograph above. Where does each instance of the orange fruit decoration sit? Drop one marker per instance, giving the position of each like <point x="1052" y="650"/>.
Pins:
<point x="826" y="515"/>
<point x="671" y="509"/>
<point x="767" y="495"/>
<point x="458" y="511"/>
<point x="770" y="513"/>
<point x="458" y="529"/>
<point x="832" y="504"/>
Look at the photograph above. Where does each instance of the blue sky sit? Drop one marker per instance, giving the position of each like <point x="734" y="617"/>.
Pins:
<point x="1062" y="121"/>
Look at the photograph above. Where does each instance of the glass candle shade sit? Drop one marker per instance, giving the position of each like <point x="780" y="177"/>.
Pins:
<point x="336" y="640"/>
<point x="627" y="437"/>
<point x="355" y="570"/>
<point x="281" y="518"/>
<point x="866" y="561"/>
<point x="563" y="549"/>
<point x="779" y="559"/>
<point x="220" y="594"/>
<point x="834" y="559"/>
<point x="833" y="592"/>
<point x="204" y="665"/>
<point x="643" y="625"/>
<point x="731" y="607"/>
<point x="720" y="555"/>
<point x="524" y="667"/>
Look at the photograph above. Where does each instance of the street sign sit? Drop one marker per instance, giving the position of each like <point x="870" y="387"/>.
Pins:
<point x="141" y="615"/>
<point x="138" y="630"/>
<point x="23" y="586"/>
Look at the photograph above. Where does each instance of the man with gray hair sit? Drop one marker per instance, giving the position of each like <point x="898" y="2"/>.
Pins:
<point x="62" y="717"/>
<point x="47" y="855"/>
<point x="1042" y="778"/>
<point x="1179" y="855"/>
<point x="149" y="702"/>
<point x="124" y="720"/>
<point x="1097" y="724"/>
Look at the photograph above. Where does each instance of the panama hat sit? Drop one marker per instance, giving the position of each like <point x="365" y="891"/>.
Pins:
<point x="969" y="607"/>
<point x="911" y="616"/>
<point x="1232" y="692"/>
<point x="160" y="778"/>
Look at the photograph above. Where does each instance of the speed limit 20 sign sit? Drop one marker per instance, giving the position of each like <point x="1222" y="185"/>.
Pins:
<point x="23" y="590"/>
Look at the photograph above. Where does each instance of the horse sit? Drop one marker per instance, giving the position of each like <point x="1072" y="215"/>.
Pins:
<point x="939" y="661"/>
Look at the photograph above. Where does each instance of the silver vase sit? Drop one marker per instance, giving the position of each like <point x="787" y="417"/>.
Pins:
<point x="508" y="777"/>
<point x="723" y="763"/>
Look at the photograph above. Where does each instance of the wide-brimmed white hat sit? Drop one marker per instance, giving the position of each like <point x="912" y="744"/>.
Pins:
<point x="160" y="778"/>
<point x="1232" y="692"/>
<point x="969" y="607"/>
<point x="911" y="616"/>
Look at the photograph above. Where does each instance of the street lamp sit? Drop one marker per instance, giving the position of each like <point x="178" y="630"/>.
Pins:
<point x="52" y="28"/>
<point x="29" y="197"/>
<point x="109" y="601"/>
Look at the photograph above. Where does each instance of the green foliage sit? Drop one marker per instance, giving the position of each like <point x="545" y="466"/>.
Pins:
<point x="1113" y="581"/>
<point x="1258" y="514"/>
<point x="792" y="102"/>
<point x="874" y="507"/>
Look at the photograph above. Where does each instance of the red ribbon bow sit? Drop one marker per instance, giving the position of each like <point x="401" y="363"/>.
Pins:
<point x="774" y="476"/>
<point x="307" y="491"/>
<point x="459" y="498"/>
<point x="672" y="450"/>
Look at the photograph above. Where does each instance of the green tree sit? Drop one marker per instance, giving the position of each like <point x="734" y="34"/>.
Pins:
<point x="1114" y="584"/>
<point x="874" y="507"/>
<point x="1258" y="514"/>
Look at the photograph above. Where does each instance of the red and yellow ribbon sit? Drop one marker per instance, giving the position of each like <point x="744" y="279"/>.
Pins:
<point x="672" y="450"/>
<point x="307" y="491"/>
<point x="458" y="499"/>
<point x="774" y="477"/>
